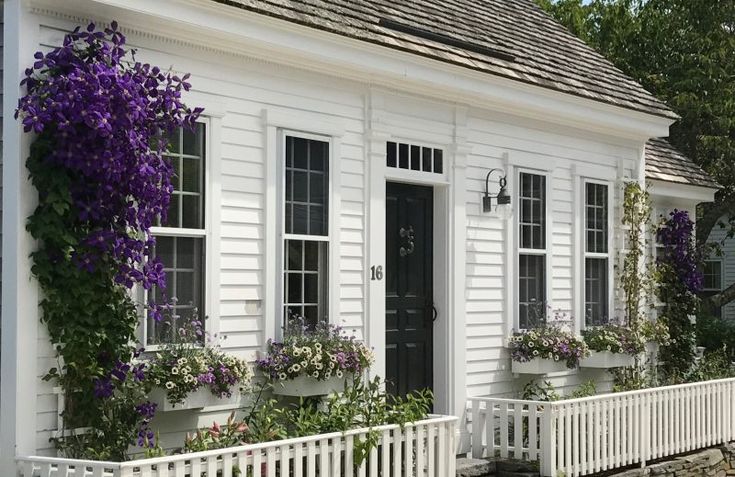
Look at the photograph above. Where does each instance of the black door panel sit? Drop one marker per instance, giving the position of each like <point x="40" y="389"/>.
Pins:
<point x="408" y="287"/>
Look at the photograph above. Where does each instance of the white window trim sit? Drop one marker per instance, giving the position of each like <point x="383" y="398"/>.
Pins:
<point x="722" y="273"/>
<point x="210" y="233"/>
<point x="332" y="305"/>
<point x="514" y="184"/>
<point x="581" y="321"/>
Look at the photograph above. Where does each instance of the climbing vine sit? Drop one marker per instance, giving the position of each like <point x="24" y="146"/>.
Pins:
<point x="101" y="121"/>
<point x="680" y="276"/>
<point x="635" y="280"/>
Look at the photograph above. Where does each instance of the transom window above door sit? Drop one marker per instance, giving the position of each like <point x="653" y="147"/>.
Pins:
<point x="412" y="157"/>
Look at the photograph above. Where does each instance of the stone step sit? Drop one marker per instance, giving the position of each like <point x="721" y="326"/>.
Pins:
<point x="502" y="473"/>
<point x="468" y="467"/>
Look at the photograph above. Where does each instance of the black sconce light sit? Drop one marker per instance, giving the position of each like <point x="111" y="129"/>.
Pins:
<point x="502" y="198"/>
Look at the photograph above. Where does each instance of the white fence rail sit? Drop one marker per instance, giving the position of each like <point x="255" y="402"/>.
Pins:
<point x="424" y="448"/>
<point x="597" y="433"/>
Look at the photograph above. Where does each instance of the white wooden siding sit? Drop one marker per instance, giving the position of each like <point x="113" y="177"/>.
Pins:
<point x="488" y="359"/>
<point x="243" y="88"/>
<point x="719" y="235"/>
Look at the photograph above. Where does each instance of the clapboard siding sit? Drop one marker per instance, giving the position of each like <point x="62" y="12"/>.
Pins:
<point x="719" y="236"/>
<point x="245" y="91"/>
<point x="244" y="88"/>
<point x="488" y="359"/>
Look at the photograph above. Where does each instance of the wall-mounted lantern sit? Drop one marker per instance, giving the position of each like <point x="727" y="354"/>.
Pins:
<point x="502" y="198"/>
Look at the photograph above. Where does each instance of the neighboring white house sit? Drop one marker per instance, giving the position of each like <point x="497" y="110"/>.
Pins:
<point x="719" y="269"/>
<point x="393" y="112"/>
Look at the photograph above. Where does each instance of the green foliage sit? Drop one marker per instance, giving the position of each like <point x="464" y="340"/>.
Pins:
<point x="629" y="379"/>
<point x="585" y="389"/>
<point x="231" y="434"/>
<point x="91" y="321"/>
<point x="267" y="422"/>
<point x="683" y="52"/>
<point x="714" y="333"/>
<point x="635" y="281"/>
<point x="716" y="364"/>
<point x="545" y="391"/>
<point x="534" y="391"/>
<point x="363" y="404"/>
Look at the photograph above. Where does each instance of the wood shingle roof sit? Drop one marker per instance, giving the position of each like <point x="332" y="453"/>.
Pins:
<point x="665" y="163"/>
<point x="513" y="39"/>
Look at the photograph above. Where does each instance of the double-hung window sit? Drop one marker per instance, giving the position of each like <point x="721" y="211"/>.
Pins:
<point x="712" y="283"/>
<point x="596" y="254"/>
<point x="180" y="240"/>
<point x="532" y="250"/>
<point x="305" y="228"/>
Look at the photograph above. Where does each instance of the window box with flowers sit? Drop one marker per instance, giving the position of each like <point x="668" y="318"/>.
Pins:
<point x="611" y="346"/>
<point x="314" y="361"/>
<point x="545" y="350"/>
<point x="184" y="374"/>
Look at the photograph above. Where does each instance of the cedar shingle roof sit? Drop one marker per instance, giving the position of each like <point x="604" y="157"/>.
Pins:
<point x="514" y="39"/>
<point x="665" y="163"/>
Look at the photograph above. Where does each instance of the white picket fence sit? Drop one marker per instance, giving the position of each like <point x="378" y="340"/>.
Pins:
<point x="597" y="433"/>
<point x="424" y="448"/>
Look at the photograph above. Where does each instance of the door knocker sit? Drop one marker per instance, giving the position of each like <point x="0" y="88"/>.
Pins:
<point x="410" y="236"/>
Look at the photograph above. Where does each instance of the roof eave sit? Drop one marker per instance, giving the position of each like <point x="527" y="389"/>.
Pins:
<point x="258" y="36"/>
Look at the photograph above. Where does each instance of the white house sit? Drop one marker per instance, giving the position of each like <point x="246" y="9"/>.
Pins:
<point x="340" y="168"/>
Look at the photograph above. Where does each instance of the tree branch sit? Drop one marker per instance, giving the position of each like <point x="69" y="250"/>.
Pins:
<point x="723" y="298"/>
<point x="711" y="217"/>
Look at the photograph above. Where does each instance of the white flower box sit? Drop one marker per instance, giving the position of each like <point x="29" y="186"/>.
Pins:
<point x="198" y="399"/>
<point x="607" y="359"/>
<point x="539" y="366"/>
<point x="308" y="386"/>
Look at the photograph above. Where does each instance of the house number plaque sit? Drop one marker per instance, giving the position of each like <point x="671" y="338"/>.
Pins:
<point x="376" y="272"/>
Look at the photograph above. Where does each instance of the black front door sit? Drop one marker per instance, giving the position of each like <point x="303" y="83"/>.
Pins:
<point x="408" y="287"/>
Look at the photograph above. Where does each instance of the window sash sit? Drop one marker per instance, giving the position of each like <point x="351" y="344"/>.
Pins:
<point x="532" y="217"/>
<point x="714" y="274"/>
<point x="596" y="257"/>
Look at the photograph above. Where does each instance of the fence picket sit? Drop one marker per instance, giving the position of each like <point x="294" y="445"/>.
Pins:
<point x="517" y="426"/>
<point x="533" y="418"/>
<point x="504" y="430"/>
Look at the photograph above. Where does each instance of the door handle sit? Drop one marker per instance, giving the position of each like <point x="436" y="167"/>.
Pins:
<point x="434" y="312"/>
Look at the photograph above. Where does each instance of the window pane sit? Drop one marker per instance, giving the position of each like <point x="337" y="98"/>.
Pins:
<point x="192" y="175"/>
<point x="172" y="219"/>
<point x="415" y="158"/>
<point x="596" y="292"/>
<point x="183" y="259"/>
<point x="426" y="159"/>
<point x="531" y="291"/>
<point x="193" y="140"/>
<point x="438" y="161"/>
<point x="305" y="283"/>
<point x="403" y="156"/>
<point x="307" y="186"/>
<point x="532" y="218"/>
<point x="293" y="249"/>
<point x="391" y="154"/>
<point x="191" y="212"/>
<point x="596" y="220"/>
